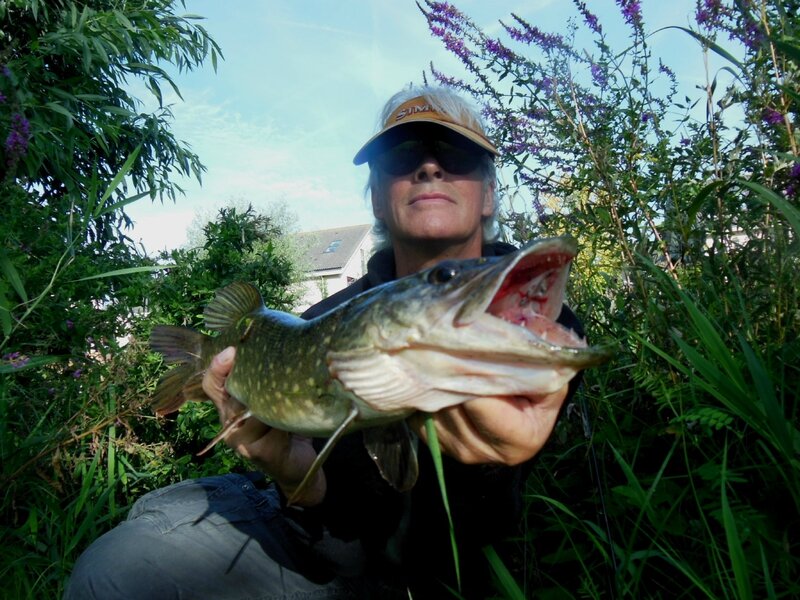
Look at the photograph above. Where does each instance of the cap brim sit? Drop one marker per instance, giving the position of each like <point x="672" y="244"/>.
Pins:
<point x="366" y="151"/>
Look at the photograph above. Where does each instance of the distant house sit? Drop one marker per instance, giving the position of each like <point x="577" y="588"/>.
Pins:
<point x="335" y="258"/>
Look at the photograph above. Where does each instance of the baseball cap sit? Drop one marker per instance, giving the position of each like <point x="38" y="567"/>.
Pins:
<point x="419" y="110"/>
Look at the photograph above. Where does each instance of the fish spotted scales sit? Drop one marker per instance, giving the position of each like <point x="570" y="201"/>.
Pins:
<point x="457" y="331"/>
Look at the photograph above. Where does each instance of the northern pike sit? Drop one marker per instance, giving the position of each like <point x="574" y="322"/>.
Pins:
<point x="457" y="331"/>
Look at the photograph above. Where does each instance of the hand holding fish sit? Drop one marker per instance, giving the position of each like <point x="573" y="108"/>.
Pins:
<point x="284" y="456"/>
<point x="506" y="431"/>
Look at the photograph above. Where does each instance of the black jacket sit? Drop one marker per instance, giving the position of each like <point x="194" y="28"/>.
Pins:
<point x="406" y="536"/>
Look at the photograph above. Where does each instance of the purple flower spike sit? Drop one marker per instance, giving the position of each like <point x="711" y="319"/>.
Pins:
<point x="772" y="116"/>
<point x="631" y="11"/>
<point x="589" y="18"/>
<point x="17" y="140"/>
<point x="498" y="50"/>
<point x="598" y="75"/>
<point x="17" y="359"/>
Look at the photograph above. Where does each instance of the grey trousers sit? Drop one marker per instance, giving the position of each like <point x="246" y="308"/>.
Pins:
<point x="216" y="538"/>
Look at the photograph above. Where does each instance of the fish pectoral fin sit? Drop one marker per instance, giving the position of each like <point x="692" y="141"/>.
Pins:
<point x="394" y="450"/>
<point x="378" y="379"/>
<point x="324" y="453"/>
<point x="229" y="426"/>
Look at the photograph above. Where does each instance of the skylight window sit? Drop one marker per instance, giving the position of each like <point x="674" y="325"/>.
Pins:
<point x="333" y="246"/>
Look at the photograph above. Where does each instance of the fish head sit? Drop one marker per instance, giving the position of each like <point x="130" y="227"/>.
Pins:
<point x="468" y="328"/>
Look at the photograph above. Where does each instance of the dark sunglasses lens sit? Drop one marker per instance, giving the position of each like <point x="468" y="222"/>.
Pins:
<point x="455" y="160"/>
<point x="403" y="158"/>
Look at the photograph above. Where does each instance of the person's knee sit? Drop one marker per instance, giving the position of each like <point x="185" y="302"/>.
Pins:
<point x="114" y="566"/>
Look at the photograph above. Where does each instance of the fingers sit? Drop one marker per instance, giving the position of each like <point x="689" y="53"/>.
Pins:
<point x="214" y="378"/>
<point x="283" y="456"/>
<point x="504" y="430"/>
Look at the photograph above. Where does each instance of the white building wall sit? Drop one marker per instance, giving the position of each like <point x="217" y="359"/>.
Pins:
<point x="318" y="287"/>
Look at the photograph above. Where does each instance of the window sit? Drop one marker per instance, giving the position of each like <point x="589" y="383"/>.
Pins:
<point x="332" y="247"/>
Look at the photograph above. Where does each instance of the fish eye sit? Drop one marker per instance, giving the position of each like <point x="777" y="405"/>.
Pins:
<point x="443" y="273"/>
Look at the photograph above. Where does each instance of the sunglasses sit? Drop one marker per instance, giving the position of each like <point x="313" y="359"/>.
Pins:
<point x="405" y="157"/>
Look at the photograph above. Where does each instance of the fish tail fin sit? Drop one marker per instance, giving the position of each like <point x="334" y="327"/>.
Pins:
<point x="184" y="347"/>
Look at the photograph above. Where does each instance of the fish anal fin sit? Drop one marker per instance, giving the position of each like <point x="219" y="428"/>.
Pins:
<point x="229" y="426"/>
<point x="394" y="449"/>
<point x="231" y="304"/>
<point x="323" y="455"/>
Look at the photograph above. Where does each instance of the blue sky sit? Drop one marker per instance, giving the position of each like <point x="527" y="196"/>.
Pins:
<point x="300" y="89"/>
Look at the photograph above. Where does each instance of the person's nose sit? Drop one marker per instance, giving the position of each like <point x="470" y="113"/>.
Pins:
<point x="429" y="169"/>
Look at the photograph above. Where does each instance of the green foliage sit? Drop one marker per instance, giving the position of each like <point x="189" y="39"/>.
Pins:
<point x="239" y="246"/>
<point x="68" y="66"/>
<point x="77" y="441"/>
<point x="675" y="473"/>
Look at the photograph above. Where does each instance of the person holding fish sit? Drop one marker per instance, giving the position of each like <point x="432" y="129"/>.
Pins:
<point x="447" y="321"/>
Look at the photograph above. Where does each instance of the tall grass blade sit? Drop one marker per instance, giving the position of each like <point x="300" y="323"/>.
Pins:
<point x="436" y="453"/>
<point x="738" y="560"/>
<point x="595" y="533"/>
<point x="507" y="582"/>
<point x="770" y="587"/>
<point x="776" y="422"/>
<point x="767" y="196"/>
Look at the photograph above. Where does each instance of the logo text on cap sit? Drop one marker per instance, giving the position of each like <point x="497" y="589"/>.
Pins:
<point x="413" y="110"/>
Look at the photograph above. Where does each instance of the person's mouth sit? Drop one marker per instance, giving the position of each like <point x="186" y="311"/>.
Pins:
<point x="431" y="197"/>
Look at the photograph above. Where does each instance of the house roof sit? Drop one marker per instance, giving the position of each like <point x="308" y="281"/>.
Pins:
<point x="331" y="249"/>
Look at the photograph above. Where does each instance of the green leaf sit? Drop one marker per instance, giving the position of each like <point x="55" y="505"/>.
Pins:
<point x="122" y="203"/>
<point x="700" y="198"/>
<point x="118" y="179"/>
<point x="5" y="318"/>
<point x="12" y="275"/>
<point x="789" y="49"/>
<point x="34" y="362"/>
<point x="128" y="271"/>
<point x="777" y="423"/>
<point x="123" y="20"/>
<point x="55" y="107"/>
<point x="767" y="196"/>
<point x="153" y="85"/>
<point x="707" y="43"/>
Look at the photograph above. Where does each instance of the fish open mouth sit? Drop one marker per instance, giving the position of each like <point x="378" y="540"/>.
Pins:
<point x="529" y="292"/>
<point x="534" y="286"/>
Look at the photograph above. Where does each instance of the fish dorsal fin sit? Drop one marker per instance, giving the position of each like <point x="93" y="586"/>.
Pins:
<point x="231" y="304"/>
